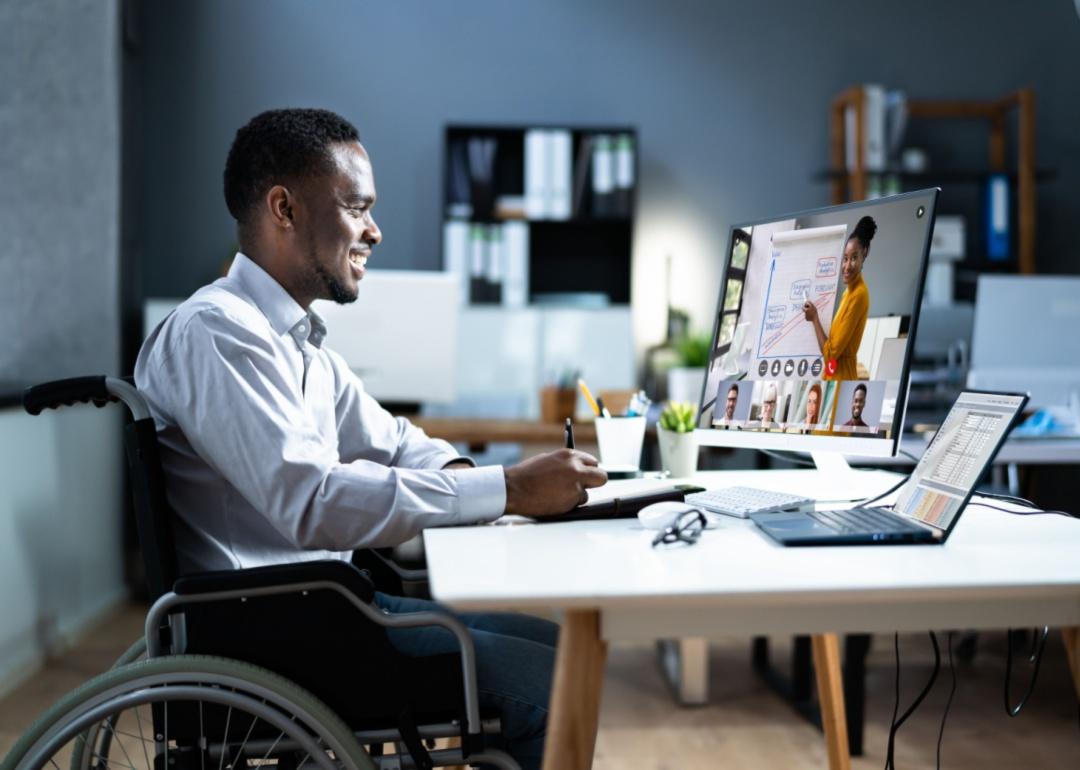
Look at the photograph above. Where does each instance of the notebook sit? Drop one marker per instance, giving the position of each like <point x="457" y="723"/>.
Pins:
<point x="931" y="501"/>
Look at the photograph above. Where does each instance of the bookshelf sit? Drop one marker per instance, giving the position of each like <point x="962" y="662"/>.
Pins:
<point x="540" y="214"/>
<point x="850" y="179"/>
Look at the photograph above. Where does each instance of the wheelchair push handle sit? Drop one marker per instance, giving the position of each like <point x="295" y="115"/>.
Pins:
<point x="58" y="393"/>
<point x="98" y="390"/>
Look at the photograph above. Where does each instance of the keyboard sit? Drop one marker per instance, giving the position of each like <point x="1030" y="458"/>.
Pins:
<point x="743" y="501"/>
<point x="863" y="521"/>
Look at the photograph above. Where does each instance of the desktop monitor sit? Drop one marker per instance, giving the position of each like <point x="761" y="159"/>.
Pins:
<point x="778" y="380"/>
<point x="1024" y="337"/>
<point x="400" y="336"/>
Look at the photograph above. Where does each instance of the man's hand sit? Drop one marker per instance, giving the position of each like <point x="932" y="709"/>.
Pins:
<point x="551" y="483"/>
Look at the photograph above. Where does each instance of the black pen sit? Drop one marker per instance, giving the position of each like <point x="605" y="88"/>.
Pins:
<point x="569" y="433"/>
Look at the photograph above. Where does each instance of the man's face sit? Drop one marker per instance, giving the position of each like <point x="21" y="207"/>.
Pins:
<point x="732" y="399"/>
<point x="812" y="407"/>
<point x="338" y="232"/>
<point x="768" y="406"/>
<point x="858" y="401"/>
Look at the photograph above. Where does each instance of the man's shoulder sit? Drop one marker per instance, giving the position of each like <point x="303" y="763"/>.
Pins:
<point x="214" y="307"/>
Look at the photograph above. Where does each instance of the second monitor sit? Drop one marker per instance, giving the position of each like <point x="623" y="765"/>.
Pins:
<point x="814" y="328"/>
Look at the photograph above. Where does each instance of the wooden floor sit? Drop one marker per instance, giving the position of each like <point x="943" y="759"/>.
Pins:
<point x="744" y="725"/>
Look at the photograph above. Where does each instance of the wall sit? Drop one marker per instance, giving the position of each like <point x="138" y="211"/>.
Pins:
<point x="61" y="559"/>
<point x="730" y="99"/>
<point x="59" y="200"/>
<point x="60" y="497"/>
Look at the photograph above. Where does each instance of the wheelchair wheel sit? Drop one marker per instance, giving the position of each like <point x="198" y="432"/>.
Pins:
<point x="97" y="738"/>
<point x="189" y="712"/>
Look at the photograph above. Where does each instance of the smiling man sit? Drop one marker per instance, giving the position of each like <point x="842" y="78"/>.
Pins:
<point x="272" y="450"/>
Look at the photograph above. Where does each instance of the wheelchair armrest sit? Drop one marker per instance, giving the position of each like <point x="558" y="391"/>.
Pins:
<point x="279" y="576"/>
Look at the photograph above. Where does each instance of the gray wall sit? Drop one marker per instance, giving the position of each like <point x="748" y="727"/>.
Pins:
<point x="730" y="98"/>
<point x="59" y="188"/>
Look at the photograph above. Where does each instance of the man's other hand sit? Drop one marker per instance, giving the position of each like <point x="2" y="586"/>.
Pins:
<point x="551" y="483"/>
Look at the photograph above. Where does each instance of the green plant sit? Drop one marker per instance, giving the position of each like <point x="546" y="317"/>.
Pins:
<point x="693" y="349"/>
<point x="678" y="416"/>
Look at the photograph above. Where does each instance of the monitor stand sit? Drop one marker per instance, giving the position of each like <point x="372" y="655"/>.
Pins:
<point x="842" y="479"/>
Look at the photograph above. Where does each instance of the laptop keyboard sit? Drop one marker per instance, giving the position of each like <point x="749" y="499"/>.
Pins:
<point x="862" y="521"/>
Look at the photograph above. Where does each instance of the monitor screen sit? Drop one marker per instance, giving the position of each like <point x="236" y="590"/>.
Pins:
<point x="814" y="328"/>
<point x="962" y="448"/>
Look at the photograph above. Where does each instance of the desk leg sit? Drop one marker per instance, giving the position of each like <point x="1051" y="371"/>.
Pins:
<point x="575" y="696"/>
<point x="1071" y="637"/>
<point x="831" y="695"/>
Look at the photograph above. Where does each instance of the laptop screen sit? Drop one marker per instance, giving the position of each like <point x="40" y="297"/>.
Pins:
<point x="961" y="450"/>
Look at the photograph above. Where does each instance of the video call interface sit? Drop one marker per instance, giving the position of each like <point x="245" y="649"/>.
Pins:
<point x="813" y="321"/>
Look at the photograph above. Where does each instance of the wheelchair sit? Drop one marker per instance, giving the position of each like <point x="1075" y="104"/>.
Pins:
<point x="241" y="668"/>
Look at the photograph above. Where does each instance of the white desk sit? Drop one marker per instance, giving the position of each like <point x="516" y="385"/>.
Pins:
<point x="995" y="571"/>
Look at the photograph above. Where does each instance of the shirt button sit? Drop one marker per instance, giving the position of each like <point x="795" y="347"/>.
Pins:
<point x="301" y="329"/>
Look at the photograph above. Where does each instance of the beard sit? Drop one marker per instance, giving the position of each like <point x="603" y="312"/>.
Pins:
<point x="338" y="291"/>
<point x="324" y="283"/>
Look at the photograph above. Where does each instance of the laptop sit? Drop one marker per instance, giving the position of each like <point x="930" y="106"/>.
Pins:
<point x="934" y="496"/>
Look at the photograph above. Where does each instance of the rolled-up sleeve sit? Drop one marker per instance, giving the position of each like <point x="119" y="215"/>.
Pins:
<point x="382" y="484"/>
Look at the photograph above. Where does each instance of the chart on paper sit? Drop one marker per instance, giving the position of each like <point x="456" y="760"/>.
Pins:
<point x="805" y="267"/>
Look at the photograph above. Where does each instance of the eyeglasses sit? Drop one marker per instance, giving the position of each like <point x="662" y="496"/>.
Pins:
<point x="687" y="528"/>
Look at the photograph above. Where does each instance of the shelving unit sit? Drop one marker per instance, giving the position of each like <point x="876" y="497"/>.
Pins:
<point x="852" y="183"/>
<point x="568" y="195"/>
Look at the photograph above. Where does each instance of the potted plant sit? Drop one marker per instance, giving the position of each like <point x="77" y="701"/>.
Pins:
<point x="678" y="443"/>
<point x="685" y="380"/>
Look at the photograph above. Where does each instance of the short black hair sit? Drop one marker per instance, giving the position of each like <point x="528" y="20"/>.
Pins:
<point x="864" y="232"/>
<point x="280" y="146"/>
<point x="858" y="387"/>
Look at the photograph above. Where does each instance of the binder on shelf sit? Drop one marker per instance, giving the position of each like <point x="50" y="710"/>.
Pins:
<point x="481" y="157"/>
<point x="537" y="174"/>
<point x="582" y="167"/>
<point x="515" y="240"/>
<point x="559" y="190"/>
<point x="874" y="149"/>
<point x="624" y="173"/>
<point x="493" y="274"/>
<point x="456" y="254"/>
<point x="997" y="218"/>
<point x="603" y="176"/>
<point x="477" y="263"/>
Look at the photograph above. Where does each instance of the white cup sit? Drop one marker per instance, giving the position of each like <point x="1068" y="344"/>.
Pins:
<point x="620" y="440"/>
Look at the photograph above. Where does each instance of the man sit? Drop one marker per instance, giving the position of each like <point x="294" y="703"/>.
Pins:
<point x="273" y="452"/>
<point x="858" y="401"/>
<point x="768" y="407"/>
<point x="729" y="408"/>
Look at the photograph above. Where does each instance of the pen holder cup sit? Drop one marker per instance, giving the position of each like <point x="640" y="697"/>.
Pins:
<point x="556" y="404"/>
<point x="620" y="440"/>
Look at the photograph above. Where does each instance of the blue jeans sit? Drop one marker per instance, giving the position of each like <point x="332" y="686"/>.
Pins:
<point x="515" y="661"/>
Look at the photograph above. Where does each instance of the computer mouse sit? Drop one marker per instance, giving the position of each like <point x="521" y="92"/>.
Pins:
<point x="662" y="515"/>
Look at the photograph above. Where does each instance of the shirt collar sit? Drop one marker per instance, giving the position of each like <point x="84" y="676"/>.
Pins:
<point x="281" y="310"/>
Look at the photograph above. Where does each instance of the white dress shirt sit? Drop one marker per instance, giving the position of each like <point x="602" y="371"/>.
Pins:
<point x="272" y="450"/>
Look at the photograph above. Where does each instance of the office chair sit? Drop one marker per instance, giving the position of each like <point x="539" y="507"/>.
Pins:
<point x="285" y="664"/>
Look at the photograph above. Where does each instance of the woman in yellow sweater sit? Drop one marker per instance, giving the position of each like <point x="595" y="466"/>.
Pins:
<point x="842" y="342"/>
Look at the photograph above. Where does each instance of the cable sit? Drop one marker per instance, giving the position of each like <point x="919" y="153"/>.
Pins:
<point x="888" y="491"/>
<point x="909" y="456"/>
<point x="1035" y="658"/>
<point x="948" y="702"/>
<point x="1034" y="512"/>
<point x="890" y="763"/>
